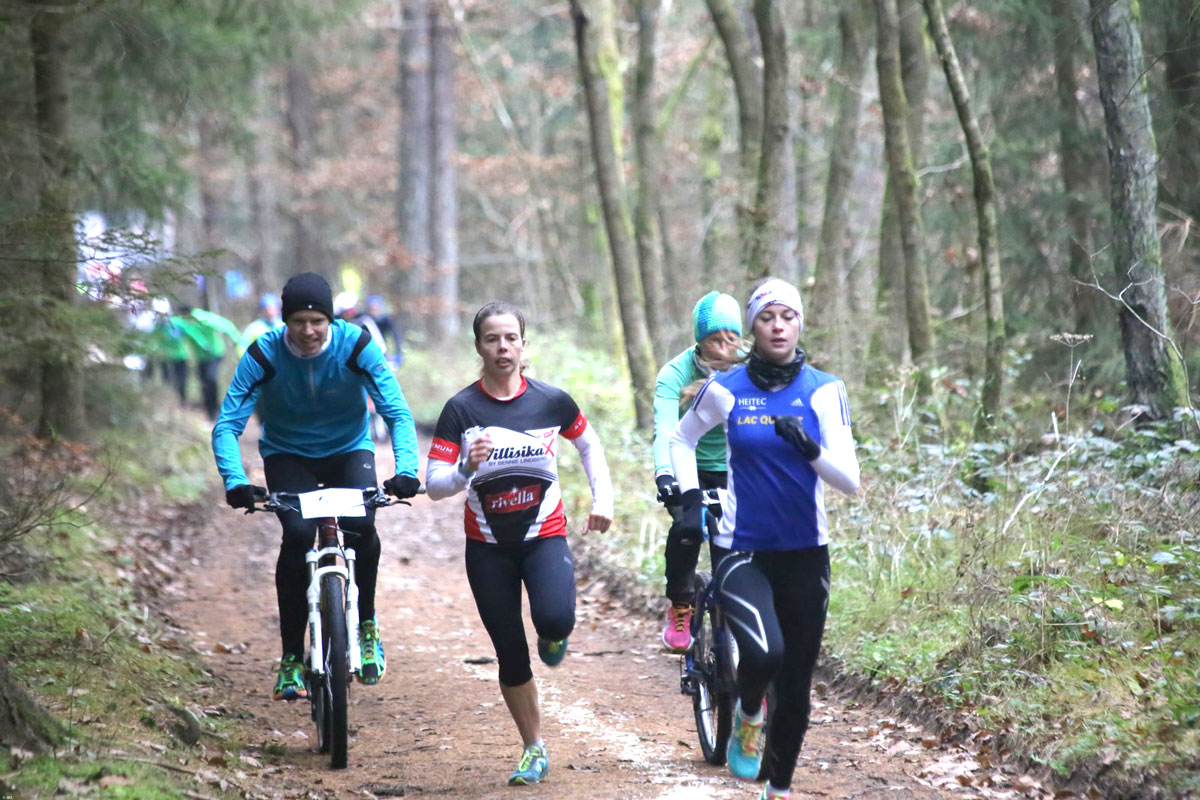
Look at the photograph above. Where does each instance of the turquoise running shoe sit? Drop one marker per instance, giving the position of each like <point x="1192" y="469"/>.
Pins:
<point x="551" y="653"/>
<point x="290" y="683"/>
<point x="534" y="766"/>
<point x="744" y="751"/>
<point x="374" y="662"/>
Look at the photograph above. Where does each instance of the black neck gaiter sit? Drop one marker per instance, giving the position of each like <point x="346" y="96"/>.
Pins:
<point x="767" y="375"/>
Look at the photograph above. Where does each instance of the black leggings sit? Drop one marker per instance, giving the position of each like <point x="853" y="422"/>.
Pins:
<point x="495" y="573"/>
<point x="775" y="604"/>
<point x="291" y="473"/>
<point x="208" y="370"/>
<point x="683" y="552"/>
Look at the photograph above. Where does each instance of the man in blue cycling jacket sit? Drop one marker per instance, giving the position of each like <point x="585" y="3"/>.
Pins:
<point x="310" y="381"/>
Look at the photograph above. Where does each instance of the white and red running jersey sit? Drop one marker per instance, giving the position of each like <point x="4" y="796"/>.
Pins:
<point x="514" y="496"/>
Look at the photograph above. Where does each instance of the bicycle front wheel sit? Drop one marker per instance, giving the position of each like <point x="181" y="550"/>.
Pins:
<point x="333" y="734"/>
<point x="712" y="703"/>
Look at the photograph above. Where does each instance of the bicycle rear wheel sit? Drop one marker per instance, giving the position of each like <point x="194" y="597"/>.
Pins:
<point x="712" y="703"/>
<point x="332" y="723"/>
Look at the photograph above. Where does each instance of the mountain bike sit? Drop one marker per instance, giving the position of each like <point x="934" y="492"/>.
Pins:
<point x="334" y="655"/>
<point x="709" y="667"/>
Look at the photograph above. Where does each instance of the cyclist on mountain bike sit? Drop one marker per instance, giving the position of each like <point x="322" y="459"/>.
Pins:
<point x="788" y="428"/>
<point x="717" y="325"/>
<point x="310" y="380"/>
<point x="497" y="439"/>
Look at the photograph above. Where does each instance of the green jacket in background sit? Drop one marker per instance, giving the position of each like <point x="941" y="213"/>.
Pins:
<point x="256" y="329"/>
<point x="205" y="332"/>
<point x="167" y="340"/>
<point x="675" y="375"/>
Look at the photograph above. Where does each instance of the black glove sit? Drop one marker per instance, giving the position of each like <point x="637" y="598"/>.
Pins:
<point x="668" y="490"/>
<point x="244" y="495"/>
<point x="402" y="486"/>
<point x="691" y="517"/>
<point x="791" y="430"/>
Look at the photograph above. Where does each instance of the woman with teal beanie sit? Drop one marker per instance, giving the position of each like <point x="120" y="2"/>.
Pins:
<point x="717" y="325"/>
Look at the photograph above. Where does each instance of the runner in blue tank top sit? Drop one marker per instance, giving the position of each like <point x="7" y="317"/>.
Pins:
<point x="788" y="431"/>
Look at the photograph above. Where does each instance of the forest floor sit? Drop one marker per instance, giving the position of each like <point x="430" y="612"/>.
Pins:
<point x="615" y="722"/>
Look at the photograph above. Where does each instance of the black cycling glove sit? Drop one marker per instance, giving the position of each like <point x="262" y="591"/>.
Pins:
<point x="244" y="495"/>
<point x="668" y="490"/>
<point x="791" y="430"/>
<point x="402" y="486"/>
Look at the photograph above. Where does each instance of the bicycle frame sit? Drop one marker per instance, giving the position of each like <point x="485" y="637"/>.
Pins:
<point x="706" y="602"/>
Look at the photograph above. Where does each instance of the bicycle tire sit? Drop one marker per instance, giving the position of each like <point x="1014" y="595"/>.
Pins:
<point x="337" y="670"/>
<point x="712" y="704"/>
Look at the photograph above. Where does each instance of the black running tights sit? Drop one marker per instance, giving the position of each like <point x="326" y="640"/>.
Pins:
<point x="775" y="603"/>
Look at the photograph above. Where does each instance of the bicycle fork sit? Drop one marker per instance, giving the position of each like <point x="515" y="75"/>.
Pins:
<point x="321" y="562"/>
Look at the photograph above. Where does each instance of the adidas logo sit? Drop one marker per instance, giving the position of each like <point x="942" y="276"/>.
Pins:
<point x="799" y="401"/>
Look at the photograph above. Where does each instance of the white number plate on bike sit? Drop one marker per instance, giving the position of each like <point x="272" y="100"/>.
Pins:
<point x="332" y="503"/>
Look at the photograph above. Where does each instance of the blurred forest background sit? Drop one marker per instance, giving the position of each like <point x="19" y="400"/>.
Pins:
<point x="440" y="153"/>
<point x="989" y="207"/>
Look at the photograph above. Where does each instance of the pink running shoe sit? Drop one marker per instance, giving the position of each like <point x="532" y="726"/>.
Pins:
<point x="677" y="632"/>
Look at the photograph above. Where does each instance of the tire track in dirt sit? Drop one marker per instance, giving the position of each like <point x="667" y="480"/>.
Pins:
<point x="614" y="721"/>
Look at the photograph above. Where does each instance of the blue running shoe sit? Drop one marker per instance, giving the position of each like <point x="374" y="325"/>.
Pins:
<point x="374" y="662"/>
<point x="290" y="683"/>
<point x="534" y="766"/>
<point x="551" y="653"/>
<point x="744" y="752"/>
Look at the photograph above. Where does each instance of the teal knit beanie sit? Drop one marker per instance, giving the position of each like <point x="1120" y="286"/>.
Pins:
<point x="716" y="312"/>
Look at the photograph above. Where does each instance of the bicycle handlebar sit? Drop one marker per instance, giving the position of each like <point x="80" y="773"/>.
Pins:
<point x="373" y="497"/>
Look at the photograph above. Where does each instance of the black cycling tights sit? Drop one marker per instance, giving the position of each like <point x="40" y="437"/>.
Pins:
<point x="495" y="573"/>
<point x="775" y="604"/>
<point x="291" y="473"/>
<point x="683" y="552"/>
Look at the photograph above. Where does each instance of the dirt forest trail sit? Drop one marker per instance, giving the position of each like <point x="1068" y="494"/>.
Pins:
<point x="615" y="723"/>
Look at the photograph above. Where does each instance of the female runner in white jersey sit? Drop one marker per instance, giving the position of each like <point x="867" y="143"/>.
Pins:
<point x="497" y="439"/>
<point x="788" y="429"/>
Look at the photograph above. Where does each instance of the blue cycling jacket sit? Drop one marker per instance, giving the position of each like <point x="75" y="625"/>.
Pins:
<point x="313" y="407"/>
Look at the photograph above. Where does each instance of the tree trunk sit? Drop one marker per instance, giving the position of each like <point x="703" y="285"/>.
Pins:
<point x="829" y="290"/>
<point x="803" y="156"/>
<point x="985" y="221"/>
<point x="260" y="198"/>
<point x="712" y="136"/>
<point x="444" y="202"/>
<point x="1153" y="369"/>
<point x="649" y="158"/>
<point x="413" y="213"/>
<point x="61" y="412"/>
<point x="766" y="254"/>
<point x="1182" y="60"/>
<point x="591" y="18"/>
<point x="914" y="76"/>
<point x="747" y="87"/>
<point x="1074" y="165"/>
<point x="206" y="151"/>
<point x="307" y="250"/>
<point x="900" y="167"/>
<point x="23" y="723"/>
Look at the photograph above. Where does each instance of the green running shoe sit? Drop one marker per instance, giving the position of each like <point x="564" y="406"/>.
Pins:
<point x="744" y="752"/>
<point x="535" y="764"/>
<point x="290" y="683"/>
<point x="374" y="662"/>
<point x="551" y="653"/>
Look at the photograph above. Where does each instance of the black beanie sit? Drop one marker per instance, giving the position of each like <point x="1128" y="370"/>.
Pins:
<point x="307" y="291"/>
